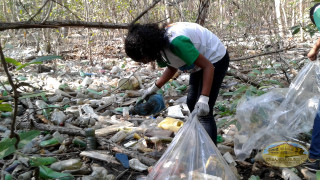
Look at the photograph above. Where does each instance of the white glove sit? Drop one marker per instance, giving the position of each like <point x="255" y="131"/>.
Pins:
<point x="151" y="90"/>
<point x="202" y="106"/>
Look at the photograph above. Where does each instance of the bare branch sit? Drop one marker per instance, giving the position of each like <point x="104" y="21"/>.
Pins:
<point x="31" y="19"/>
<point x="48" y="13"/>
<point x="58" y="24"/>
<point x="145" y="11"/>
<point x="67" y="9"/>
<point x="262" y="54"/>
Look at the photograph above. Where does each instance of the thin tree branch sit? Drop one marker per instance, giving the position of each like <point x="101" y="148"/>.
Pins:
<point x="24" y="8"/>
<point x="58" y="24"/>
<point x="48" y="13"/>
<point x="145" y="11"/>
<point x="262" y="54"/>
<point x="31" y="19"/>
<point x="15" y="97"/>
<point x="68" y="9"/>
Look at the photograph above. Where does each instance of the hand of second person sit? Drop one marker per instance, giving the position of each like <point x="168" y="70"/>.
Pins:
<point x="312" y="55"/>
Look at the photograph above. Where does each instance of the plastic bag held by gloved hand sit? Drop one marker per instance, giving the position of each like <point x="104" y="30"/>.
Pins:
<point x="191" y="155"/>
<point x="202" y="106"/>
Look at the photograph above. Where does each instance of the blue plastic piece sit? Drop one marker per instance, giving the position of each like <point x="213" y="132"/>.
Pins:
<point x="153" y="105"/>
<point x="123" y="158"/>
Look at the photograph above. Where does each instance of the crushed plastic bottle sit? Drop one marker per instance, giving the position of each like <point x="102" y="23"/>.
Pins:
<point x="89" y="111"/>
<point x="58" y="117"/>
<point x="137" y="165"/>
<point x="69" y="164"/>
<point x="44" y="106"/>
<point x="119" y="136"/>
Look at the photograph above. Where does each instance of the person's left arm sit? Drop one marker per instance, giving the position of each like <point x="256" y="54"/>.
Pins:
<point x="208" y="73"/>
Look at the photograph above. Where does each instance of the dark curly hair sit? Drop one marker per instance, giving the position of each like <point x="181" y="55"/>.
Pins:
<point x="144" y="42"/>
<point x="312" y="11"/>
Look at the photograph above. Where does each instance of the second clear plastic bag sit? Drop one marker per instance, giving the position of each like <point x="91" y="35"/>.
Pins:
<point x="191" y="155"/>
<point x="279" y="114"/>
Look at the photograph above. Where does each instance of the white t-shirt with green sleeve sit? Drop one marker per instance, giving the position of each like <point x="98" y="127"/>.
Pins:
<point x="187" y="41"/>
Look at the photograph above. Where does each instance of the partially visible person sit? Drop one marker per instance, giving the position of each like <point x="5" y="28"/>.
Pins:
<point x="313" y="162"/>
<point x="190" y="48"/>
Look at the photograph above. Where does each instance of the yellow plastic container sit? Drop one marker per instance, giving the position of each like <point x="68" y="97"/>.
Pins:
<point x="171" y="124"/>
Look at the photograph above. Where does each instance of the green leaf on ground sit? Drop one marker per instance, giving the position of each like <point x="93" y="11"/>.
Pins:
<point x="26" y="137"/>
<point x="7" y="147"/>
<point x="5" y="107"/>
<point x="46" y="58"/>
<point x="12" y="61"/>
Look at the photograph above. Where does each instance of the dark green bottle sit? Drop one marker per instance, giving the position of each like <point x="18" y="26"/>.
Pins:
<point x="91" y="139"/>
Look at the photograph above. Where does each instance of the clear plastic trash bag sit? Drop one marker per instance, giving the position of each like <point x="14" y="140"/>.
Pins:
<point x="280" y="114"/>
<point x="191" y="155"/>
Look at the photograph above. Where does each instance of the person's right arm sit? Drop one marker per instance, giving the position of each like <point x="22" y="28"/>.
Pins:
<point x="166" y="76"/>
<point x="312" y="55"/>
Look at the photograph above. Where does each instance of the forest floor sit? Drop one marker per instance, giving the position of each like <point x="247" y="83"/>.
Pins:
<point x="83" y="90"/>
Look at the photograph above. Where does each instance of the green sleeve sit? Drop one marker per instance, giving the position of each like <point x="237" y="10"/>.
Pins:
<point x="182" y="47"/>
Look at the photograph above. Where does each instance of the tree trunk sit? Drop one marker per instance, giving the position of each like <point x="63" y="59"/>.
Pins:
<point x="221" y="13"/>
<point x="301" y="19"/>
<point x="277" y="5"/>
<point x="286" y="25"/>
<point x="203" y="11"/>
<point x="167" y="12"/>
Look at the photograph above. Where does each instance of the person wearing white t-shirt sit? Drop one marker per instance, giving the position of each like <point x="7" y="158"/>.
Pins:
<point x="188" y="47"/>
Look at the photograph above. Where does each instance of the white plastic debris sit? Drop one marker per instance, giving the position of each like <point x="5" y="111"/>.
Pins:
<point x="137" y="165"/>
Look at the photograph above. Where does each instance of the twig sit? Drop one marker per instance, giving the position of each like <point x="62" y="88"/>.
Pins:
<point x="15" y="98"/>
<point x="24" y="8"/>
<point x="39" y="10"/>
<point x="144" y="12"/>
<point x="4" y="86"/>
<point x="58" y="24"/>
<point x="121" y="174"/>
<point x="262" y="54"/>
<point x="67" y="9"/>
<point x="48" y="13"/>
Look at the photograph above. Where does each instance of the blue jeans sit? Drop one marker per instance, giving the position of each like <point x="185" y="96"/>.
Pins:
<point x="314" y="151"/>
<point x="195" y="87"/>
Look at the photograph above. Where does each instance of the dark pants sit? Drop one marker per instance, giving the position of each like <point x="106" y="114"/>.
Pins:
<point x="314" y="151"/>
<point x="195" y="87"/>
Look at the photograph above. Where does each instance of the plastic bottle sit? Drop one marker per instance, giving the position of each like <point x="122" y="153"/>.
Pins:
<point x="69" y="164"/>
<point x="125" y="112"/>
<point x="49" y="143"/>
<point x="91" y="139"/>
<point x="58" y="117"/>
<point x="58" y="136"/>
<point x="79" y="143"/>
<point x="43" y="105"/>
<point x="37" y="161"/>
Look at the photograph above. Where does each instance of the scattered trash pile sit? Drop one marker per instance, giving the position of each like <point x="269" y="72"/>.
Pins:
<point x="77" y="121"/>
<point x="86" y="124"/>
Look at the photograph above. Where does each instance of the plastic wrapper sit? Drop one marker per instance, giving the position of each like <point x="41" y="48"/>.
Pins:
<point x="191" y="155"/>
<point x="279" y="114"/>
